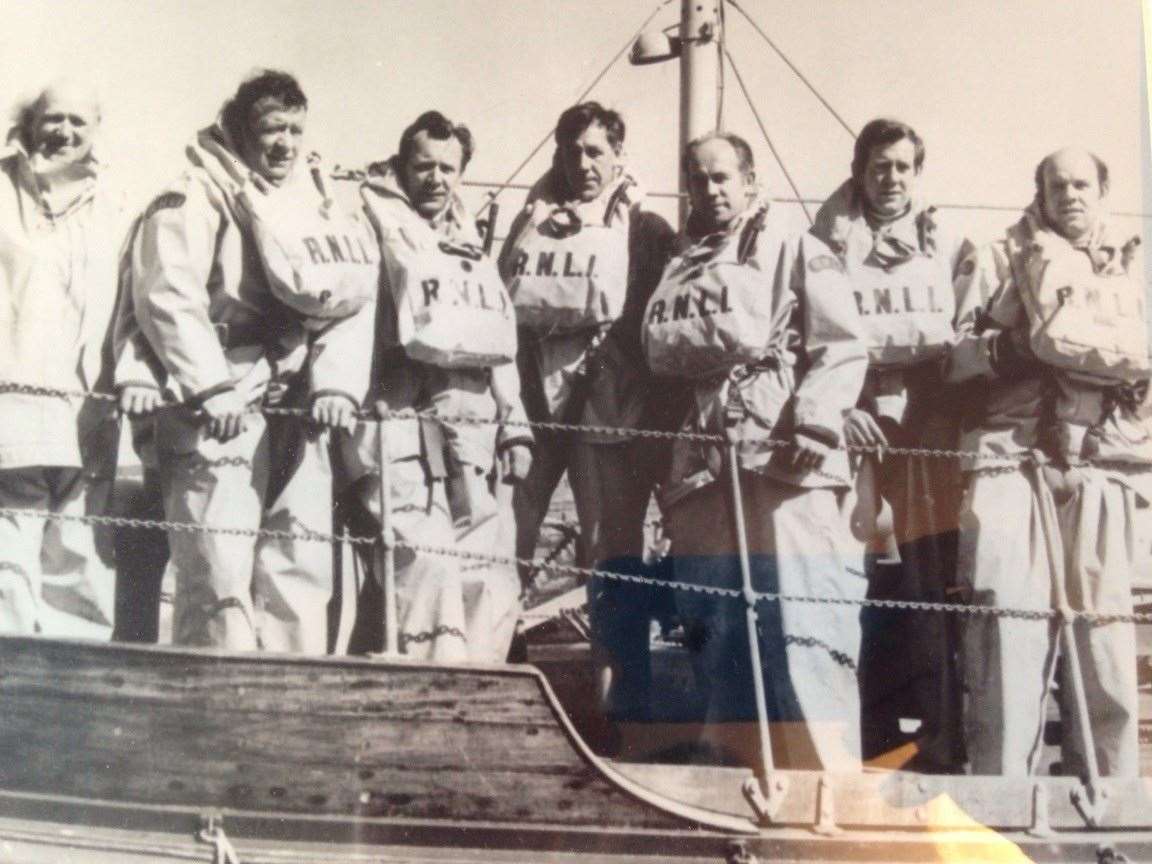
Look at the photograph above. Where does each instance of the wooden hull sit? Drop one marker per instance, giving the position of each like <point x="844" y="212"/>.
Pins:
<point x="128" y="753"/>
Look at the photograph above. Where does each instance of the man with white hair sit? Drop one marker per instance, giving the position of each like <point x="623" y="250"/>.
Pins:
<point x="1053" y="333"/>
<point x="59" y="236"/>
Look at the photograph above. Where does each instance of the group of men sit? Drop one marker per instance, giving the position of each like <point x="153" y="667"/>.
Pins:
<point x="252" y="320"/>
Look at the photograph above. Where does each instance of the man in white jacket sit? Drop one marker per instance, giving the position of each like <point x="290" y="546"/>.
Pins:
<point x="1053" y="337"/>
<point x="761" y="324"/>
<point x="59" y="235"/>
<point x="204" y="289"/>
<point x="444" y="346"/>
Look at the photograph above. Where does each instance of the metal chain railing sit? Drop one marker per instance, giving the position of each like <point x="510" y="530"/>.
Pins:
<point x="369" y="416"/>
<point x="586" y="572"/>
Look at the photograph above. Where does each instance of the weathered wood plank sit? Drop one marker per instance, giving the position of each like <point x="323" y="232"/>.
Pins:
<point x="292" y="735"/>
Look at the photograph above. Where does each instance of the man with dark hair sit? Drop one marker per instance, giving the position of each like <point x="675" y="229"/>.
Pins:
<point x="901" y="263"/>
<point x="1053" y="328"/>
<point x="580" y="261"/>
<point x="444" y="346"/>
<point x="438" y="127"/>
<point x="247" y="285"/>
<point x="754" y="319"/>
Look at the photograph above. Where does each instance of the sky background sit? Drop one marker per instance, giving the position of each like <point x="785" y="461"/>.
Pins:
<point x="992" y="85"/>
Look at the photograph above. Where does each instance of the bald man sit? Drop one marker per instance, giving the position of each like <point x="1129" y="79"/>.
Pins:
<point x="59" y="235"/>
<point x="1053" y="339"/>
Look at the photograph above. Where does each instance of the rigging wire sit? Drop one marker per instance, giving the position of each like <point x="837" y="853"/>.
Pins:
<point x="767" y="137"/>
<point x="721" y="41"/>
<point x="795" y="70"/>
<point x="492" y="196"/>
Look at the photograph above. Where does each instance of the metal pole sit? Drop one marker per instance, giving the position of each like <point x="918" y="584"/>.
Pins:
<point x="386" y="560"/>
<point x="767" y="765"/>
<point x="1048" y="522"/>
<point x="699" y="76"/>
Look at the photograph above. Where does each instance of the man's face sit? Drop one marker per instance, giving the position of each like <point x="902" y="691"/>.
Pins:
<point x="63" y="125"/>
<point x="717" y="189"/>
<point x="1073" y="200"/>
<point x="274" y="140"/>
<point x="890" y="177"/>
<point x="589" y="163"/>
<point x="432" y="173"/>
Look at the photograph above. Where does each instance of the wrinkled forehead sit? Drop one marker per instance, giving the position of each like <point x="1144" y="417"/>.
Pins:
<point x="1070" y="166"/>
<point x="69" y="98"/>
<point x="266" y="106"/>
<point x="714" y="156"/>
<point x="441" y="151"/>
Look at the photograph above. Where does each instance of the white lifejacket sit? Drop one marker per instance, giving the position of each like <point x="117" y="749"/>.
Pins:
<point x="713" y="308"/>
<point x="319" y="260"/>
<point x="452" y="309"/>
<point x="567" y="274"/>
<point x="1083" y="319"/>
<point x="906" y="311"/>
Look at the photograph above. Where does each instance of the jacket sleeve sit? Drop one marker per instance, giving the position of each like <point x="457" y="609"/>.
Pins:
<point x="342" y="357"/>
<point x="134" y="363"/>
<point x="835" y="358"/>
<point x="172" y="258"/>
<point x="506" y="392"/>
<point x="988" y="314"/>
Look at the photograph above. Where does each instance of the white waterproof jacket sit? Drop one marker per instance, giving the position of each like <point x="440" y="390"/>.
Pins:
<point x="400" y="383"/>
<point x="1018" y="403"/>
<point x="814" y="366"/>
<point x="59" y="241"/>
<point x="201" y="300"/>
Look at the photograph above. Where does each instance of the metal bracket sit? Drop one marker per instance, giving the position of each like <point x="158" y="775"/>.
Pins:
<point x="1041" y="825"/>
<point x="738" y="854"/>
<point x="1090" y="799"/>
<point x="766" y="802"/>
<point x="1106" y="854"/>
<point x="826" y="809"/>
<point x="212" y="832"/>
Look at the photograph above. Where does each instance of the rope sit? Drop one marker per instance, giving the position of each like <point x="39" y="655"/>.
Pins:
<point x="590" y="572"/>
<point x="767" y="137"/>
<point x="492" y="196"/>
<point x="794" y="69"/>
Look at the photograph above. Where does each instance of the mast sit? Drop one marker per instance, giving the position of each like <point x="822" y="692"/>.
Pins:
<point x="699" y="75"/>
<point x="696" y="45"/>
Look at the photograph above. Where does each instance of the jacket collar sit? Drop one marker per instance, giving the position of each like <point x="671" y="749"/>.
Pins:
<point x="842" y="224"/>
<point x="453" y="221"/>
<point x="613" y="202"/>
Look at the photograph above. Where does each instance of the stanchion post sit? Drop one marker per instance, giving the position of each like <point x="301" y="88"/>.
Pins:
<point x="766" y="799"/>
<point x="1094" y="799"/>
<point x="386" y="559"/>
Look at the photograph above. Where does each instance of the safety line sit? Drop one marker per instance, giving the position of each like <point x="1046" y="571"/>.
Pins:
<point x="369" y="416"/>
<point x="590" y="572"/>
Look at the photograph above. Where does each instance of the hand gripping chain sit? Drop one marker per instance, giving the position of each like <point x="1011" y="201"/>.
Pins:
<point x="1001" y="463"/>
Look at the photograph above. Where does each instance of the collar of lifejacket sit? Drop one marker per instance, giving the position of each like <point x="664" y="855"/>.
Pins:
<point x="215" y="152"/>
<point x="892" y="242"/>
<point x="1103" y="245"/>
<point x="746" y="228"/>
<point x="453" y="221"/>
<point x="564" y="217"/>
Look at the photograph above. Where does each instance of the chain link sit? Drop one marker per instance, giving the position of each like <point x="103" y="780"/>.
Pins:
<point x="370" y="416"/>
<point x="589" y="572"/>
